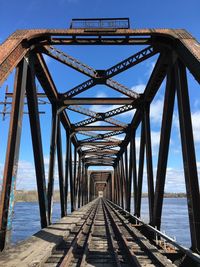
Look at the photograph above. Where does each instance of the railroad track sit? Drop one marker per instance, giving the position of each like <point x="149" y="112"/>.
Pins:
<point x="103" y="237"/>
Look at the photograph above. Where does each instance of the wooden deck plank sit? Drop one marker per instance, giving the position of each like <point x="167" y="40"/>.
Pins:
<point x="35" y="250"/>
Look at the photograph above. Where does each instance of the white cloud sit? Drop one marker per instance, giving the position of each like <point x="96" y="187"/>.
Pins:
<point x="150" y="66"/>
<point x="139" y="88"/>
<point x="156" y="110"/>
<point x="102" y="108"/>
<point x="155" y="140"/>
<point x="26" y="177"/>
<point x="196" y="125"/>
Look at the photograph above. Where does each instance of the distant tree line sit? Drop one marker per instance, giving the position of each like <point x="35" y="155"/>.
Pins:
<point x="32" y="196"/>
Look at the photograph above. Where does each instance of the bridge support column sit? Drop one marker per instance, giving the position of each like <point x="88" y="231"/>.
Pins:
<point x="54" y="127"/>
<point x="71" y="175"/>
<point x="133" y="174"/>
<point x="75" y="176"/>
<point x="79" y="181"/>
<point x="60" y="171"/>
<point x="140" y="171"/>
<point x="82" y="183"/>
<point x="123" y="178"/>
<point x="12" y="153"/>
<point x="164" y="146"/>
<point x="189" y="158"/>
<point x="126" y="184"/>
<point x="147" y="130"/>
<point x="32" y="102"/>
<point x="121" y="186"/>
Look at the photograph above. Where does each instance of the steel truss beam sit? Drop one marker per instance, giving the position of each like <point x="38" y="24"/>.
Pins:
<point x="32" y="101"/>
<point x="103" y="136"/>
<point x="100" y="143"/>
<point x="98" y="41"/>
<point x="97" y="77"/>
<point x="98" y="128"/>
<point x="154" y="83"/>
<point x="12" y="153"/>
<point x="164" y="145"/>
<point x="95" y="116"/>
<point x="68" y="60"/>
<point x="97" y="101"/>
<point x="189" y="158"/>
<point x="186" y="53"/>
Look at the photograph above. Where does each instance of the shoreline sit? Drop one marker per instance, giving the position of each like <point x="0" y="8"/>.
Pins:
<point x="31" y="196"/>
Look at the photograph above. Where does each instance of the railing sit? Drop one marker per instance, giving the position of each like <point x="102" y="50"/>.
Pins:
<point x="111" y="23"/>
<point x="183" y="249"/>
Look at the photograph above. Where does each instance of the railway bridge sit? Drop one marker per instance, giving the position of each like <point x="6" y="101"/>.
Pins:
<point x="103" y="229"/>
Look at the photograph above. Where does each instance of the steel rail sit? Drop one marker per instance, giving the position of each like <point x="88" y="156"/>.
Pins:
<point x="68" y="257"/>
<point x="183" y="249"/>
<point x="152" y="253"/>
<point x="110" y="238"/>
<point x="88" y="239"/>
<point x="108" y="235"/>
<point x="132" y="257"/>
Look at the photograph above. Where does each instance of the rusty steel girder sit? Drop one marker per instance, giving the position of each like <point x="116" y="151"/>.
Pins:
<point x="176" y="50"/>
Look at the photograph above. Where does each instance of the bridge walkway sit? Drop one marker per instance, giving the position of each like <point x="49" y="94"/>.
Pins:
<point x="96" y="235"/>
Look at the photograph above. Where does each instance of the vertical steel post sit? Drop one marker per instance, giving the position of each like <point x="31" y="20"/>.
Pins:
<point x="60" y="170"/>
<point x="133" y="149"/>
<point x="121" y="182"/>
<point x="75" y="177"/>
<point x="149" y="161"/>
<point x="126" y="177"/>
<point x="71" y="176"/>
<point x="82" y="183"/>
<point x="140" y="171"/>
<point x="34" y="119"/>
<point x="54" y="127"/>
<point x="90" y="191"/>
<point x="79" y="181"/>
<point x="130" y="176"/>
<point x="86" y="185"/>
<point x="120" y="191"/>
<point x="66" y="170"/>
<point x="123" y="177"/>
<point x="114" y="185"/>
<point x="164" y="146"/>
<point x="12" y="153"/>
<point x="189" y="158"/>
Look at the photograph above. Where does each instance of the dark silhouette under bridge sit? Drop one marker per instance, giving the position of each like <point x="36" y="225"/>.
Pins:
<point x="177" y="51"/>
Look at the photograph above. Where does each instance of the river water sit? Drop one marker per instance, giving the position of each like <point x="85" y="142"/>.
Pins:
<point x="175" y="222"/>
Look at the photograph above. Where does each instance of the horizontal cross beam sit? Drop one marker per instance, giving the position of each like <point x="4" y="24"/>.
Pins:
<point x="98" y="41"/>
<point x="98" y="164"/>
<point x="95" y="116"/>
<point x="97" y="101"/>
<point x="106" y="152"/>
<point x="102" y="136"/>
<point x="100" y="143"/>
<point x="98" y="128"/>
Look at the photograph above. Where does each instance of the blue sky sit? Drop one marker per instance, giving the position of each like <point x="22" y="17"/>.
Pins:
<point x="143" y="14"/>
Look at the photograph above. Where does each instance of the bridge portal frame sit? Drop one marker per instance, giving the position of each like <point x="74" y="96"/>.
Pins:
<point x="178" y="50"/>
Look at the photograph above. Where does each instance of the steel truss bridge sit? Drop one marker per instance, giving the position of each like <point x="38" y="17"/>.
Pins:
<point x="177" y="52"/>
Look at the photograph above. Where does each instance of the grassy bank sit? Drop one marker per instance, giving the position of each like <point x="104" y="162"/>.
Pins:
<point x="32" y="196"/>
